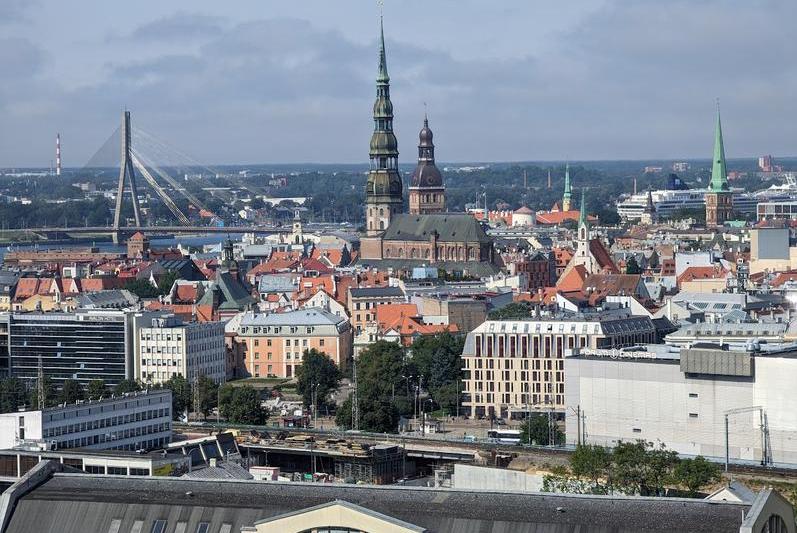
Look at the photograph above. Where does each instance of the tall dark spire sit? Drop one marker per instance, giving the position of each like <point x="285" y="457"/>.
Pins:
<point x="383" y="189"/>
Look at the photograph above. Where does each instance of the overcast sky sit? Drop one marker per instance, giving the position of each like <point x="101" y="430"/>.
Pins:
<point x="255" y="81"/>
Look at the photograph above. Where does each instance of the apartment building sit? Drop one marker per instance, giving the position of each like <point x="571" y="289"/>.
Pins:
<point x="169" y="347"/>
<point x="362" y="303"/>
<point x="134" y="421"/>
<point x="274" y="343"/>
<point x="516" y="366"/>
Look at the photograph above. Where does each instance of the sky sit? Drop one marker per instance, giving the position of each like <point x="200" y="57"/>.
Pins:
<point x="266" y="81"/>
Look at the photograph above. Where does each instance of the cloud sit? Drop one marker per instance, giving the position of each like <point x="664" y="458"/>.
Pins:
<point x="15" y="11"/>
<point x="181" y="26"/>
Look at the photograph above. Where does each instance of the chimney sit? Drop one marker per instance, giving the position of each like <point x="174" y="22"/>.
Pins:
<point x="213" y="462"/>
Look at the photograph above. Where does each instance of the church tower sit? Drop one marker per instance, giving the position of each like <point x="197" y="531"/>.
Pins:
<point x="719" y="198"/>
<point x="427" y="192"/>
<point x="383" y="189"/>
<point x="566" y="196"/>
<point x="583" y="254"/>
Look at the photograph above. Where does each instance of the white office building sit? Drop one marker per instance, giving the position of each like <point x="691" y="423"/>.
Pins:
<point x="681" y="397"/>
<point x="168" y="347"/>
<point x="135" y="421"/>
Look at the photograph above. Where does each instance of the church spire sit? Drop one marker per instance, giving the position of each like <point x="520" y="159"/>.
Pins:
<point x="568" y="192"/>
<point x="383" y="76"/>
<point x="582" y="214"/>
<point x="719" y="175"/>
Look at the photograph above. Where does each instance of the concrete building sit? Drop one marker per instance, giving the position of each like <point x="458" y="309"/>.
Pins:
<point x="168" y="348"/>
<point x="49" y="499"/>
<point x="682" y="397"/>
<point x="274" y="344"/>
<point x="513" y="366"/>
<point x="135" y="421"/>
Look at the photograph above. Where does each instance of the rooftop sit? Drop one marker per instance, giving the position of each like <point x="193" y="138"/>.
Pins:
<point x="310" y="316"/>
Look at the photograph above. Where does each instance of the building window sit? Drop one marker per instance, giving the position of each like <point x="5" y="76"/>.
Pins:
<point x="693" y="395"/>
<point x="159" y="526"/>
<point x="692" y="415"/>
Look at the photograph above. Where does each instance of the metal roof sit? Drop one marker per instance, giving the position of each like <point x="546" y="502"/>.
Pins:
<point x="83" y="503"/>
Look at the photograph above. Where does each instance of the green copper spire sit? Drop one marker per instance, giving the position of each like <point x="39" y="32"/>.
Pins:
<point x="719" y="176"/>
<point x="382" y="77"/>
<point x="582" y="214"/>
<point x="568" y="192"/>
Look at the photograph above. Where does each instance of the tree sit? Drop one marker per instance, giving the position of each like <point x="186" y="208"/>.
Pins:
<point x="12" y="395"/>
<point x="632" y="267"/>
<point x="71" y="391"/>
<point x="379" y="371"/>
<point x="166" y="281"/>
<point x="127" y="385"/>
<point x="96" y="389"/>
<point x="593" y="465"/>
<point x="206" y="395"/>
<point x="694" y="474"/>
<point x="241" y="405"/>
<point x="513" y="311"/>
<point x="317" y="368"/>
<point x="343" y="416"/>
<point x="536" y="431"/>
<point x="142" y="288"/>
<point x="50" y="397"/>
<point x="438" y="360"/>
<point x="642" y="468"/>
<point x="181" y="395"/>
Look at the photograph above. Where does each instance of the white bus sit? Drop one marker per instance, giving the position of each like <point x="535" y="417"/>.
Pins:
<point x="504" y="436"/>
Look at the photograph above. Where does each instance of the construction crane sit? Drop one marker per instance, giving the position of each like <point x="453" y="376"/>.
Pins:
<point x="766" y="448"/>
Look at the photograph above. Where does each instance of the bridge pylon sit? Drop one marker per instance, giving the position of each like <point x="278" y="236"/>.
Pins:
<point x="127" y="174"/>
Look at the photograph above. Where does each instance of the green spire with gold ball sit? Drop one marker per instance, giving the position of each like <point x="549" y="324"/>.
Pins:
<point x="719" y="175"/>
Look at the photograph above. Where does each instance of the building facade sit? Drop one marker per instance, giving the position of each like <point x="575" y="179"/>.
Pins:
<point x="274" y="344"/>
<point x="134" y="421"/>
<point x="169" y="348"/>
<point x="363" y="301"/>
<point x="514" y="366"/>
<point x="681" y="398"/>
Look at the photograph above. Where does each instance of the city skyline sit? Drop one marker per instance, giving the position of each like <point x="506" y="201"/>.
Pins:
<point x="284" y="84"/>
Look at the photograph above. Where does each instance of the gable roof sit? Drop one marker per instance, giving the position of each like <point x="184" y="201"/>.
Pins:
<point x="602" y="256"/>
<point x="450" y="227"/>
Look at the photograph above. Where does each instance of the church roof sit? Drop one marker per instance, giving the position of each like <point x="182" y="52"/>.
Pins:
<point x="426" y="175"/>
<point x="450" y="227"/>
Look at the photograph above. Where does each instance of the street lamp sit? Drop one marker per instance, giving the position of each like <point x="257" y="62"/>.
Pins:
<point x="314" y="389"/>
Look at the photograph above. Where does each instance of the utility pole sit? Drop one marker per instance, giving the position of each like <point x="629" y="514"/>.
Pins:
<point x="41" y="393"/>
<point x="355" y="401"/>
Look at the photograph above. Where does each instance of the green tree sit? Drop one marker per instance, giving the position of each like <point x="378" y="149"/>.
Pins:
<point x="513" y="311"/>
<point x="181" y="395"/>
<point x="166" y="281"/>
<point x="13" y="395"/>
<point x="127" y="385"/>
<point x="318" y="374"/>
<point x="379" y="371"/>
<point x="632" y="267"/>
<point x="642" y="468"/>
<point x="536" y="431"/>
<point x="50" y="397"/>
<point x="593" y="465"/>
<point x="207" y="395"/>
<point x="343" y="415"/>
<point x="142" y="288"/>
<point x="96" y="389"/>
<point x="438" y="360"/>
<point x="71" y="391"/>
<point x="241" y="405"/>
<point x="694" y="474"/>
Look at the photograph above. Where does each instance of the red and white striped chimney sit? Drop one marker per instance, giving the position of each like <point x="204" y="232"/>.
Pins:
<point x="58" y="154"/>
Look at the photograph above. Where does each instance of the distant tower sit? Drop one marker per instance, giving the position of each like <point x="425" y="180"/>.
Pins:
<point x="57" y="154"/>
<point x="427" y="191"/>
<point x="298" y="237"/>
<point x="126" y="174"/>
<point x="383" y="189"/>
<point x="549" y="179"/>
<point x="634" y="185"/>
<point x="649" y="212"/>
<point x="228" y="262"/>
<point x="583" y="255"/>
<point x="719" y="198"/>
<point x="568" y="193"/>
